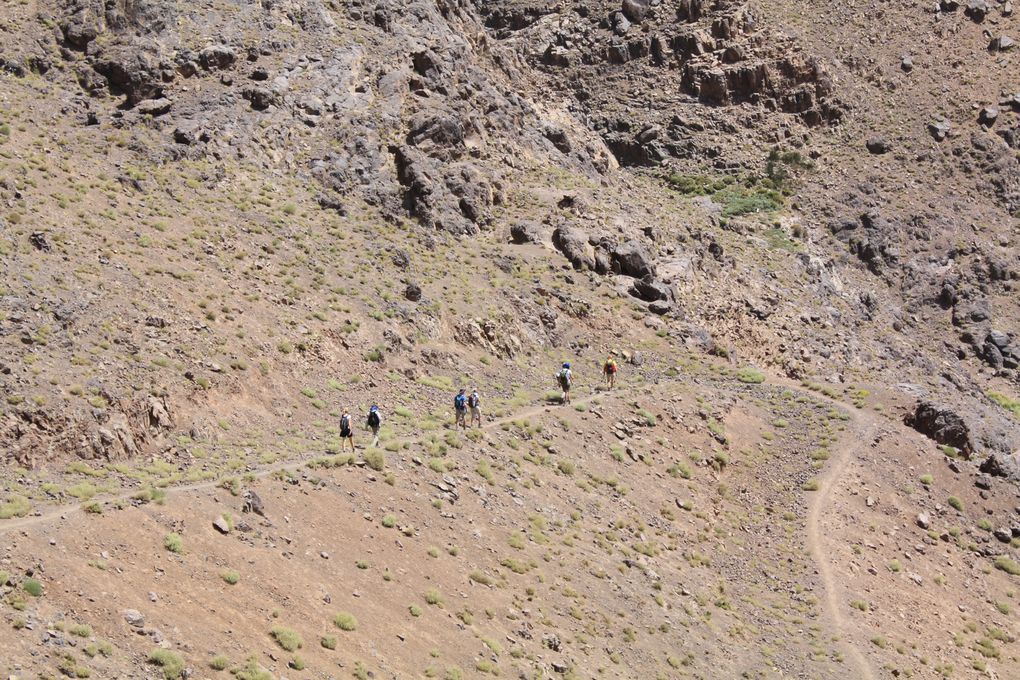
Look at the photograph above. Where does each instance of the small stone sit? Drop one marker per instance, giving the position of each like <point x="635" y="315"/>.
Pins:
<point x="324" y="555"/>
<point x="939" y="129"/>
<point x="923" y="520"/>
<point x="154" y="107"/>
<point x="134" y="618"/>
<point x="153" y="597"/>
<point x="988" y="115"/>
<point x="1001" y="44"/>
<point x="877" y="145"/>
<point x="221" y="525"/>
<point x="870" y="502"/>
<point x="907" y="64"/>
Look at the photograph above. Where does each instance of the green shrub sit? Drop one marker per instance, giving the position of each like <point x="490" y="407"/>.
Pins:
<point x="218" y="663"/>
<point x="171" y="663"/>
<point x="1011" y="405"/>
<point x="744" y="201"/>
<point x="328" y="642"/>
<point x="251" y="671"/>
<point x="1004" y="563"/>
<point x="433" y="597"/>
<point x="15" y="506"/>
<point x="480" y="577"/>
<point x="345" y="621"/>
<point x="375" y="459"/>
<point x="485" y="471"/>
<point x="230" y="576"/>
<point x="648" y="416"/>
<point x="173" y="542"/>
<point x="389" y="521"/>
<point x="956" y="503"/>
<point x="751" y="376"/>
<point x="287" y="638"/>
<point x="32" y="587"/>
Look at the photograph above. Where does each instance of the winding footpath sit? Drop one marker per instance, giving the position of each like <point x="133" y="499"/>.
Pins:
<point x="60" y="512"/>
<point x="865" y="429"/>
<point x="863" y="433"/>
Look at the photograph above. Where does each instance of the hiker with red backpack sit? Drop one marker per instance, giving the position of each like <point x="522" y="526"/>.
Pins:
<point x="609" y="370"/>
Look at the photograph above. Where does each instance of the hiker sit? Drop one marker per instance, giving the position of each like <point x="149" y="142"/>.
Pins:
<point x="475" y="404"/>
<point x="460" y="408"/>
<point x="374" y="422"/>
<point x="346" y="431"/>
<point x="566" y="379"/>
<point x="609" y="370"/>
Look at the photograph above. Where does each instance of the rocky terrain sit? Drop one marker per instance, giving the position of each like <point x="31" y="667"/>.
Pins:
<point x="225" y="221"/>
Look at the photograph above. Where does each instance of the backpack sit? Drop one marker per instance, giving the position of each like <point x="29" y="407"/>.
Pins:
<point x="564" y="377"/>
<point x="345" y="424"/>
<point x="473" y="401"/>
<point x="611" y="366"/>
<point x="373" y="419"/>
<point x="458" y="402"/>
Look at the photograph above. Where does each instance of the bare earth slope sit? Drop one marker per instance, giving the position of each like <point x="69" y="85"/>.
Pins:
<point x="221" y="223"/>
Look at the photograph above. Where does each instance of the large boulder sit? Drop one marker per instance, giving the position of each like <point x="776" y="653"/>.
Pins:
<point x="525" y="232"/>
<point x="132" y="71"/>
<point x="943" y="425"/>
<point x="216" y="57"/>
<point x="636" y="10"/>
<point x="630" y="258"/>
<point x="1002" y="465"/>
<point x="573" y="243"/>
<point x="651" y="289"/>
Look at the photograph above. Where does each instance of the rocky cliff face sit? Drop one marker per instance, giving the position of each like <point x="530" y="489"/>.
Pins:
<point x="452" y="118"/>
<point x="406" y="105"/>
<point x="646" y="75"/>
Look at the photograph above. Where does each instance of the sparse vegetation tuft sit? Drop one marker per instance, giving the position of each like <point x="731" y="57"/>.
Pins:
<point x="287" y="638"/>
<point x="171" y="663"/>
<point x="345" y="621"/>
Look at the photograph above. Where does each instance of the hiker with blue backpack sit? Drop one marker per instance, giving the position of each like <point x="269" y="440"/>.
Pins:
<point x="374" y="422"/>
<point x="566" y="379"/>
<point x="460" y="409"/>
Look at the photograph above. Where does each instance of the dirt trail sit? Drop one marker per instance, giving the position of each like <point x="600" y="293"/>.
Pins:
<point x="64" y="511"/>
<point x="863" y="434"/>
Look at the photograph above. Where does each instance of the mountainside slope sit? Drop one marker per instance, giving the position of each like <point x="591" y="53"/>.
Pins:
<point x="223" y="223"/>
